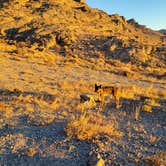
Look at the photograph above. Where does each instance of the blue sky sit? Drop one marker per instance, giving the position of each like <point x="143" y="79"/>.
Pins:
<point x="151" y="13"/>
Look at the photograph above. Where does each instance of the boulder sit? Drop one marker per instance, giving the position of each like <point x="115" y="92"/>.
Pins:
<point x="88" y="97"/>
<point x="95" y="159"/>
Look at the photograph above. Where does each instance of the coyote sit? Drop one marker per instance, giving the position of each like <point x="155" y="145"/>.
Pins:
<point x="115" y="91"/>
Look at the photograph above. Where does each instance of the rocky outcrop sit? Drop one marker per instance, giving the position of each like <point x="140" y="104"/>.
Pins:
<point x="81" y="1"/>
<point x="65" y="38"/>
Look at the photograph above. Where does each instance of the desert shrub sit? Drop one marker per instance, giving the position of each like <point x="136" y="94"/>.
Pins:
<point x="65" y="38"/>
<point x="39" y="109"/>
<point x="152" y="102"/>
<point x="156" y="160"/>
<point x="137" y="112"/>
<point x="40" y="118"/>
<point x="30" y="152"/>
<point x="5" y="110"/>
<point x="148" y="104"/>
<point x="147" y="108"/>
<point x="87" y="126"/>
<point x="46" y="41"/>
<point x="16" y="143"/>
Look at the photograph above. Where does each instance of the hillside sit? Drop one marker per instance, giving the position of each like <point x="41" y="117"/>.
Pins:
<point x="76" y="29"/>
<point x="162" y="31"/>
<point x="52" y="53"/>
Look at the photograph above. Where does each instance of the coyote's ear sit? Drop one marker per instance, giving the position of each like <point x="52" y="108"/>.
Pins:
<point x="97" y="84"/>
<point x="95" y="87"/>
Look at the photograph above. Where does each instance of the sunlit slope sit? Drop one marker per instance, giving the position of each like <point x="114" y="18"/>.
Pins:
<point x="72" y="28"/>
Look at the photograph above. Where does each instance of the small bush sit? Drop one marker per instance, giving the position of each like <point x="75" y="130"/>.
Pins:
<point x="148" y="104"/>
<point x="147" y="108"/>
<point x="156" y="160"/>
<point x="87" y="126"/>
<point x="137" y="112"/>
<point x="30" y="152"/>
<point x="41" y="118"/>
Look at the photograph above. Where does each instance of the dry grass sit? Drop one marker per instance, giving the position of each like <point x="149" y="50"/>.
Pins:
<point x="88" y="125"/>
<point x="137" y="112"/>
<point x="147" y="108"/>
<point x="30" y="152"/>
<point x="5" y="110"/>
<point x="41" y="118"/>
<point x="16" y="143"/>
<point x="149" y="103"/>
<point x="156" y="160"/>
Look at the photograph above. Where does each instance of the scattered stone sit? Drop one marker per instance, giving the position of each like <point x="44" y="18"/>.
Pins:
<point x="30" y="152"/>
<point x="88" y="97"/>
<point x="95" y="159"/>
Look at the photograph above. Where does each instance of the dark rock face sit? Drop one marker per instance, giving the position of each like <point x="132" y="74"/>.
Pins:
<point x="162" y="31"/>
<point x="81" y="1"/>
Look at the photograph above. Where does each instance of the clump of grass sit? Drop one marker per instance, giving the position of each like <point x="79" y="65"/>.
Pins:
<point x="30" y="152"/>
<point x="2" y="105"/>
<point x="147" y="108"/>
<point x="156" y="160"/>
<point x="13" y="143"/>
<point x="137" y="112"/>
<point x="152" y="102"/>
<point x="5" y="110"/>
<point x="41" y="118"/>
<point x="87" y="126"/>
<point x="148" y="104"/>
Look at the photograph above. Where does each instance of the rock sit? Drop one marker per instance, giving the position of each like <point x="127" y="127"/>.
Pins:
<point x="81" y="1"/>
<point x="88" y="97"/>
<point x="95" y="159"/>
<point x="65" y="38"/>
<point x="100" y="162"/>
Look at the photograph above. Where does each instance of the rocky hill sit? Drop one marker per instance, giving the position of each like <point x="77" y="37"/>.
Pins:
<point x="73" y="28"/>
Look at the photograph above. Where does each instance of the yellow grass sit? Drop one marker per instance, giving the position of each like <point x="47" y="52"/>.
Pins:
<point x="17" y="142"/>
<point x="157" y="160"/>
<point x="5" y="110"/>
<point x="41" y="118"/>
<point x="147" y="108"/>
<point x="87" y="126"/>
<point x="149" y="103"/>
<point x="30" y="152"/>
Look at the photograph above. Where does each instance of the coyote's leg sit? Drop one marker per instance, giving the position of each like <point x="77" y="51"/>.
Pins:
<point x="117" y="101"/>
<point x="117" y="97"/>
<point x="101" y="96"/>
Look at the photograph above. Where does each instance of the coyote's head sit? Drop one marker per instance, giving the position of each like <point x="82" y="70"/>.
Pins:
<point x="97" y="87"/>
